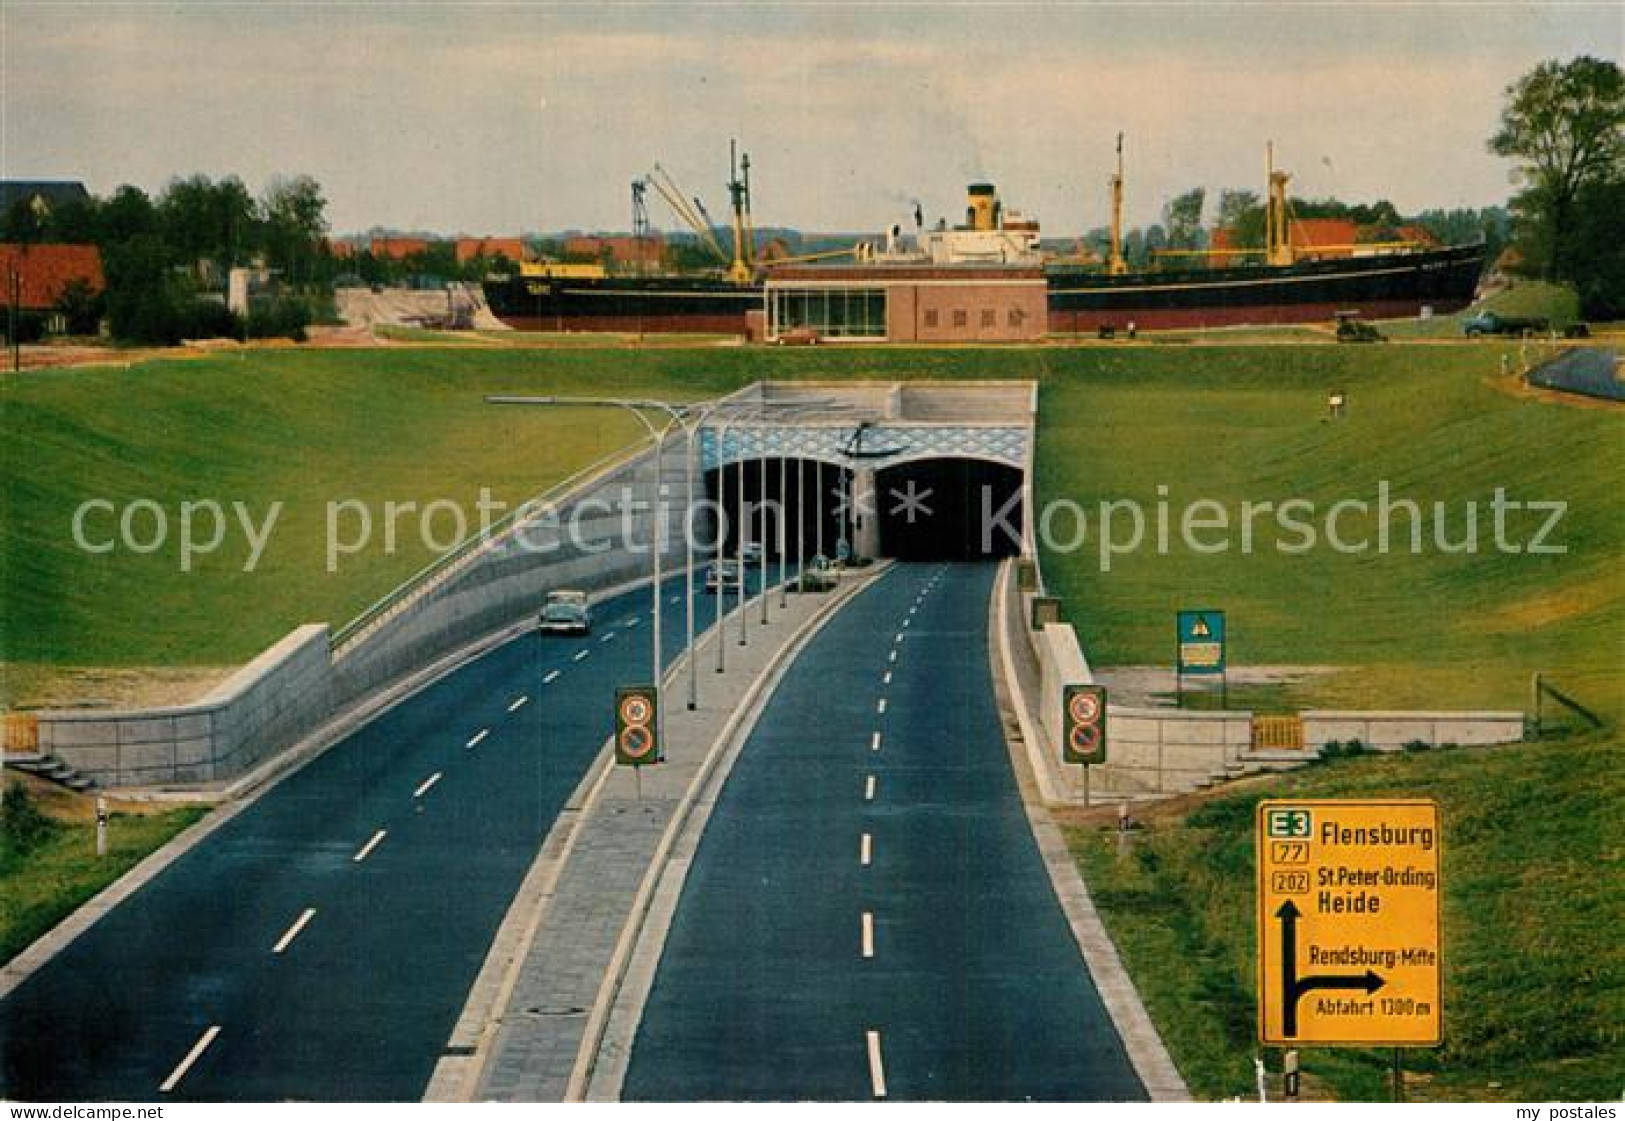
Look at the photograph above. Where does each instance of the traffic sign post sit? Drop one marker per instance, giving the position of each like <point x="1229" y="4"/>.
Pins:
<point x="1199" y="650"/>
<point x="1348" y="923"/>
<point x="637" y="739"/>
<point x="1083" y="728"/>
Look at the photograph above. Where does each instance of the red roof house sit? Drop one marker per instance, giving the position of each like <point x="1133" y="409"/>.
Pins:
<point x="45" y="271"/>
<point x="468" y="248"/>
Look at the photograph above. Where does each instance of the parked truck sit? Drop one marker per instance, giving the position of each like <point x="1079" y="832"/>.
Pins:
<point x="1493" y="323"/>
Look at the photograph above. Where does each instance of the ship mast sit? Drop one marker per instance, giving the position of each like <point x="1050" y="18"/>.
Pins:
<point x="1115" y="265"/>
<point x="739" y="190"/>
<point x="1277" y="238"/>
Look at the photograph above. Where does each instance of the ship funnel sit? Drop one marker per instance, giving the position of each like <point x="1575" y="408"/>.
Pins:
<point x="981" y="206"/>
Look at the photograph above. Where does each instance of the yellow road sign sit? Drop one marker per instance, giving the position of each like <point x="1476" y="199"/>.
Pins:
<point x="1348" y="923"/>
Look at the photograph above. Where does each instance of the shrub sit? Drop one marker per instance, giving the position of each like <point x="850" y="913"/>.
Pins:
<point x="23" y="827"/>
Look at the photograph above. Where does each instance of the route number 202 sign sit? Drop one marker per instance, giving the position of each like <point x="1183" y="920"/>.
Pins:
<point x="1348" y="923"/>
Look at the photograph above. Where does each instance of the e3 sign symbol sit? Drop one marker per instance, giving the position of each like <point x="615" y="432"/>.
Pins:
<point x="636" y="740"/>
<point x="1084" y="724"/>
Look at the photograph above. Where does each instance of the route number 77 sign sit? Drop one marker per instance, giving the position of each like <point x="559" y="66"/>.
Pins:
<point x="1348" y="923"/>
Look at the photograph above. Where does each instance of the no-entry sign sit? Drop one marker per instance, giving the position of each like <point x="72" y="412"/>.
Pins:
<point x="1348" y="923"/>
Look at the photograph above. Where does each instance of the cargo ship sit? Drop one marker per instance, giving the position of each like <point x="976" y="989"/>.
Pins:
<point x="1292" y="281"/>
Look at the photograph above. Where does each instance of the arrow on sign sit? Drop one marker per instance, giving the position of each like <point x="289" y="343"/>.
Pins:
<point x="1294" y="987"/>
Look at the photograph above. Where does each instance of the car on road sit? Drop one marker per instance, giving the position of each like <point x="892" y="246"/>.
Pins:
<point x="1493" y="323"/>
<point x="722" y="574"/>
<point x="752" y="553"/>
<point x="565" y="612"/>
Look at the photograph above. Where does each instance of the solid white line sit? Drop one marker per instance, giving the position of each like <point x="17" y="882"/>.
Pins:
<point x="874" y="742"/>
<point x="580" y="654"/>
<point x="869" y="788"/>
<point x="293" y="931"/>
<point x="478" y="736"/>
<point x="518" y="703"/>
<point x="428" y="782"/>
<point x="551" y="677"/>
<point x="864" y="851"/>
<point x="366" y="849"/>
<point x="868" y="935"/>
<point x="192" y="1056"/>
<point x="877" y="1070"/>
<point x="880" y="706"/>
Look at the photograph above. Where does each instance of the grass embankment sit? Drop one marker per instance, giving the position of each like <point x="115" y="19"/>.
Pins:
<point x="1523" y="299"/>
<point x="1429" y="628"/>
<point x="1534" y="970"/>
<point x="306" y="427"/>
<point x="48" y="861"/>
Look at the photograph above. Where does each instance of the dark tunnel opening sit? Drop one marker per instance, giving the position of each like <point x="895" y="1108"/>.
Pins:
<point x="949" y="509"/>
<point x="807" y="490"/>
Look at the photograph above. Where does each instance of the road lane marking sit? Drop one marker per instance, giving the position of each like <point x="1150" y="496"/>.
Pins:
<point x="677" y="599"/>
<point x="551" y="677"/>
<point x="580" y="654"/>
<point x="868" y="935"/>
<point x="865" y="851"/>
<point x="293" y="931"/>
<point x="877" y="1070"/>
<point x="905" y="624"/>
<point x="607" y="637"/>
<point x="887" y="679"/>
<point x="427" y="783"/>
<point x="898" y="640"/>
<point x="478" y="737"/>
<point x="519" y="702"/>
<point x="192" y="1056"/>
<point x="893" y="656"/>
<point x="630" y="621"/>
<point x="366" y="849"/>
<point x="874" y="742"/>
<point x="880" y="706"/>
<point x="869" y="788"/>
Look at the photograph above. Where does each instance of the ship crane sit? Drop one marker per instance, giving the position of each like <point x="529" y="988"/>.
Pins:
<point x="663" y="183"/>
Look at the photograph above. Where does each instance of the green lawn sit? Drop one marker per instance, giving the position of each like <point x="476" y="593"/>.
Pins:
<point x="1534" y="970"/>
<point x="1233" y="423"/>
<point x="41" y="887"/>
<point x="1555" y="302"/>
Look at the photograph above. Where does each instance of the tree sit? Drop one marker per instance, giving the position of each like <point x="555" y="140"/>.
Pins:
<point x="295" y="223"/>
<point x="1565" y="125"/>
<point x="1183" y="218"/>
<point x="1241" y="215"/>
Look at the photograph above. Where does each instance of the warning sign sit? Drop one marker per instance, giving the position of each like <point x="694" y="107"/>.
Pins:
<point x="1348" y="923"/>
<point x="1201" y="642"/>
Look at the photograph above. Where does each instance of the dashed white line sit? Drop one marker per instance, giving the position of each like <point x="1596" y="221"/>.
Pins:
<point x="906" y="623"/>
<point x="677" y="599"/>
<point x="427" y="783"/>
<point x="630" y="621"/>
<point x="874" y="742"/>
<point x="192" y="1056"/>
<point x="519" y="702"/>
<point x="366" y="849"/>
<point x="892" y="657"/>
<point x="868" y="935"/>
<point x="877" y="1070"/>
<point x="580" y="654"/>
<point x="607" y="637"/>
<point x="865" y="850"/>
<point x="869" y="788"/>
<point x="880" y="706"/>
<point x="887" y="679"/>
<point x="478" y="737"/>
<point x="898" y="639"/>
<point x="551" y="677"/>
<point x="293" y="931"/>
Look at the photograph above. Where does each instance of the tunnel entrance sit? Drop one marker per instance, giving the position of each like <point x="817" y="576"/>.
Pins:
<point x="808" y="491"/>
<point x="949" y="509"/>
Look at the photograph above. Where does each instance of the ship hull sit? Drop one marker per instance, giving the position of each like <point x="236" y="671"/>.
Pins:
<point x="1391" y="286"/>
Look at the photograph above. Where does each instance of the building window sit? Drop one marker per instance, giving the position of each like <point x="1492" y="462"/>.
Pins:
<point x="931" y="317"/>
<point x="1013" y="317"/>
<point x="832" y="313"/>
<point x="961" y="317"/>
<point x="990" y="317"/>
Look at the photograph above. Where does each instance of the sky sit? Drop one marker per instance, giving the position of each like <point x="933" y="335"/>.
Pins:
<point x="497" y="118"/>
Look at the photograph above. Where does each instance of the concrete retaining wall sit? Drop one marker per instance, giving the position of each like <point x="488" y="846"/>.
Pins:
<point x="269" y="703"/>
<point x="1392" y="731"/>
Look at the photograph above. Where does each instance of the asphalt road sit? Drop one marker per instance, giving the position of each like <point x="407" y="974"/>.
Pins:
<point x="867" y="914"/>
<point x="321" y="944"/>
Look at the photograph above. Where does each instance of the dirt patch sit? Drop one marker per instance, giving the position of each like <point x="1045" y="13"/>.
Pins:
<point x="1154" y="686"/>
<point x="30" y="686"/>
<point x="1556" y="606"/>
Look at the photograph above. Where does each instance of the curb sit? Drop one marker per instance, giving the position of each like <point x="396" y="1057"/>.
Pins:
<point x="1146" y="1051"/>
<point x="726" y="745"/>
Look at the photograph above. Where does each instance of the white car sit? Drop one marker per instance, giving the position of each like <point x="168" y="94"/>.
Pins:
<point x="752" y="553"/>
<point x="566" y="612"/>
<point x="723" y="575"/>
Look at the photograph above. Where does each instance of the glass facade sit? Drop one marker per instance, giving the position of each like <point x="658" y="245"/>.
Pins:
<point x="833" y="313"/>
